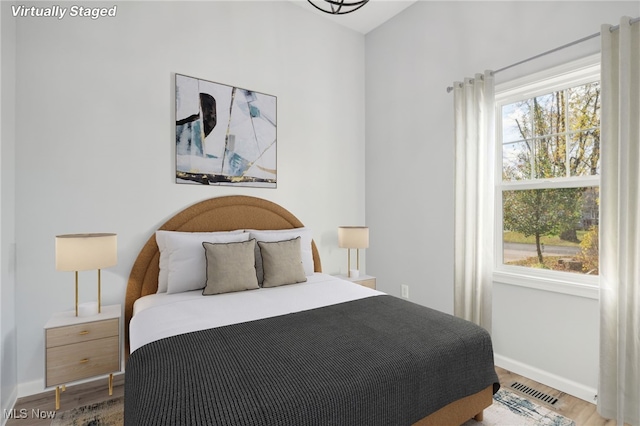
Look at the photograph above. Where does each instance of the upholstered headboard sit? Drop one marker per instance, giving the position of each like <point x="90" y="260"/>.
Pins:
<point x="216" y="214"/>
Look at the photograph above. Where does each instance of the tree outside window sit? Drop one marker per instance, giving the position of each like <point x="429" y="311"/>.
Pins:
<point x="550" y="193"/>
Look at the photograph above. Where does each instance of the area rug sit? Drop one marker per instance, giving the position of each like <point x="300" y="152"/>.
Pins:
<point x="509" y="409"/>
<point x="106" y="413"/>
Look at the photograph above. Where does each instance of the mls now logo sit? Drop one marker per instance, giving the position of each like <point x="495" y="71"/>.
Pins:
<point x="16" y="414"/>
<point x="23" y="413"/>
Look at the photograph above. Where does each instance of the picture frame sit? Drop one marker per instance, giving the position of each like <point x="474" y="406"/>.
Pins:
<point x="225" y="135"/>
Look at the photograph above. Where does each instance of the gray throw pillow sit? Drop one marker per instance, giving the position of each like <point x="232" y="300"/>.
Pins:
<point x="282" y="263"/>
<point x="230" y="267"/>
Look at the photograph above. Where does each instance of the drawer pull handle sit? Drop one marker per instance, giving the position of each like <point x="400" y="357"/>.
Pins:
<point x="82" y="333"/>
<point x="84" y="361"/>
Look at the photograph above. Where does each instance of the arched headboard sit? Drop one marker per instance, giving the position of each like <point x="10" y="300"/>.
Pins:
<point x="216" y="214"/>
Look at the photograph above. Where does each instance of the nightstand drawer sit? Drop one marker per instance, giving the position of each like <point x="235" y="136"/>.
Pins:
<point x="82" y="332"/>
<point x="82" y="360"/>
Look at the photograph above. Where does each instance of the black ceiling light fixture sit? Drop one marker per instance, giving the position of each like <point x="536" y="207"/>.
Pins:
<point x="338" y="7"/>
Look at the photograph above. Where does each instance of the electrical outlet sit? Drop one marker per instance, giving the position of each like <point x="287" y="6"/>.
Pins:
<point x="405" y="291"/>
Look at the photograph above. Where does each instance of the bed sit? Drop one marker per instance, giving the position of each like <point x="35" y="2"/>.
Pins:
<point x="319" y="351"/>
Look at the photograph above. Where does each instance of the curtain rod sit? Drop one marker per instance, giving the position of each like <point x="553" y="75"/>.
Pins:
<point x="564" y="46"/>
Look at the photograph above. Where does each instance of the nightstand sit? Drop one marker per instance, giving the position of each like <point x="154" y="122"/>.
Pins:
<point x="364" y="280"/>
<point x="79" y="348"/>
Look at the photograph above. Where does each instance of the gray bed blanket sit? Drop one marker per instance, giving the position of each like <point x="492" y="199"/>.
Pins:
<point x="375" y="361"/>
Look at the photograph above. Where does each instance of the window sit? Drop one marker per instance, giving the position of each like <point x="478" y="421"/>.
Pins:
<point x="548" y="167"/>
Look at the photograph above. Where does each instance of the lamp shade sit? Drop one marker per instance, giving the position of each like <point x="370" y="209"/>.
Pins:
<point x="83" y="252"/>
<point x="355" y="237"/>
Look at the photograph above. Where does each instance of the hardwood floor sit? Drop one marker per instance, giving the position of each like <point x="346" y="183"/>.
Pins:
<point x="578" y="410"/>
<point x="73" y="397"/>
<point x="582" y="412"/>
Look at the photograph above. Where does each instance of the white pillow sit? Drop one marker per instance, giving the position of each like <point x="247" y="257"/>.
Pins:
<point x="169" y="241"/>
<point x="282" y="235"/>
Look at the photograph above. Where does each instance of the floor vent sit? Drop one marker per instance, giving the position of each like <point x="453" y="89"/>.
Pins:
<point x="534" y="393"/>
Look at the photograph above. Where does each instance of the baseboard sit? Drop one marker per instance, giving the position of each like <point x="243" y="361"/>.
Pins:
<point x="30" y="388"/>
<point x="557" y="382"/>
<point x="13" y="398"/>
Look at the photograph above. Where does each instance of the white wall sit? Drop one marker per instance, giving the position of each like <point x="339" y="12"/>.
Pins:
<point x="95" y="133"/>
<point x="550" y="337"/>
<point x="410" y="61"/>
<point x="8" y="334"/>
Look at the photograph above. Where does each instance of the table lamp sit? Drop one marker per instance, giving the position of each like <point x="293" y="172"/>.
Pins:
<point x="84" y="252"/>
<point x="353" y="237"/>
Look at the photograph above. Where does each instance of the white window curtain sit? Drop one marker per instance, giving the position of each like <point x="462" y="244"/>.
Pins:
<point x="474" y="175"/>
<point x="619" y="384"/>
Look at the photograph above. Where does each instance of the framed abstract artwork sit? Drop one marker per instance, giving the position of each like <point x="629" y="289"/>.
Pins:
<point x="225" y="135"/>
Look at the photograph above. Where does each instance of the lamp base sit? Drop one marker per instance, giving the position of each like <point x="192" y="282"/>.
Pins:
<point x="87" y="309"/>
<point x="354" y="273"/>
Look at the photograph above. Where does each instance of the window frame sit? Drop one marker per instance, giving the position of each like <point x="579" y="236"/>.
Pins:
<point x="571" y="74"/>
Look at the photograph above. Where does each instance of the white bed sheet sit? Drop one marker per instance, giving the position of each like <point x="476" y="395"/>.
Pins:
<point x="161" y="315"/>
